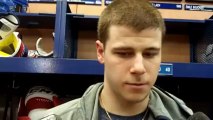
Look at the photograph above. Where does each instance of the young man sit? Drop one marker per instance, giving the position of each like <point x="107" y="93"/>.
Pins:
<point x="130" y="39"/>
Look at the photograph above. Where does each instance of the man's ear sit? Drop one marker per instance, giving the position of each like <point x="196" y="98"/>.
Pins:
<point x="100" y="51"/>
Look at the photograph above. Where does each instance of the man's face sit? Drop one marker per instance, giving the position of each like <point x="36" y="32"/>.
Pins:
<point x="131" y="60"/>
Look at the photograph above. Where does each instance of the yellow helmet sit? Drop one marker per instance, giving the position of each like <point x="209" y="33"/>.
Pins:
<point x="12" y="46"/>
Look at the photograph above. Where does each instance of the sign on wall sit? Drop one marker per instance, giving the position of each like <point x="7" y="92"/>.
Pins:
<point x="159" y="5"/>
<point x="166" y="69"/>
<point x="83" y="1"/>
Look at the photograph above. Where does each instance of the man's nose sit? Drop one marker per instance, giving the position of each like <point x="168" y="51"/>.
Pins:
<point x="138" y="65"/>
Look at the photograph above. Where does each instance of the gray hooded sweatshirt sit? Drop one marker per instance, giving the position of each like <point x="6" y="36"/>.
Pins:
<point x="163" y="106"/>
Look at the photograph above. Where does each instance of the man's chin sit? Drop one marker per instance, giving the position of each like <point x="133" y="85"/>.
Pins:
<point x="136" y="99"/>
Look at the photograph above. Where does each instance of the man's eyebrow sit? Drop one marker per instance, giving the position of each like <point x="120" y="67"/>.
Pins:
<point x="153" y="49"/>
<point x="122" y="48"/>
<point x="126" y="48"/>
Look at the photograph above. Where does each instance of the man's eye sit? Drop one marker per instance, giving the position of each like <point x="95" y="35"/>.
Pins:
<point x="150" y="54"/>
<point x="124" y="54"/>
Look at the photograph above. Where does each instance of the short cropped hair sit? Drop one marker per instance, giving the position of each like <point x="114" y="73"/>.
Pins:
<point x="136" y="14"/>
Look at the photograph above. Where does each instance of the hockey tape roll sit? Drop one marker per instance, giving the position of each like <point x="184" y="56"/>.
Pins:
<point x="41" y="51"/>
